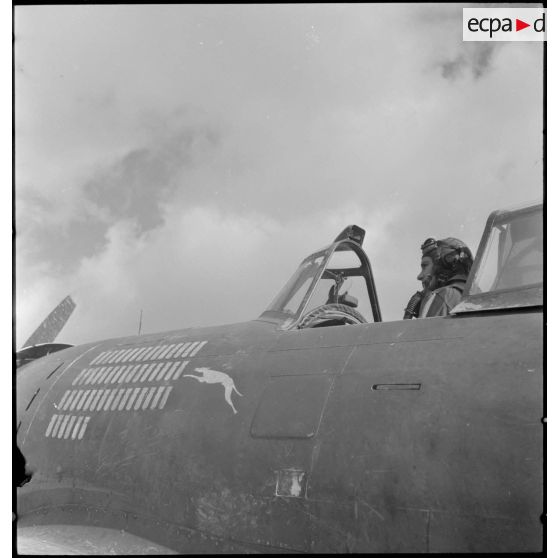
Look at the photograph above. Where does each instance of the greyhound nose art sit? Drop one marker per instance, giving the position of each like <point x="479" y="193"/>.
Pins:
<point x="209" y="376"/>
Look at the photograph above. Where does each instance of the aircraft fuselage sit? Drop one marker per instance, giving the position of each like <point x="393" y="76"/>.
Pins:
<point x="420" y="436"/>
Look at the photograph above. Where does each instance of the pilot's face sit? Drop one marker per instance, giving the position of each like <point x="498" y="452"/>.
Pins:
<point x="426" y="275"/>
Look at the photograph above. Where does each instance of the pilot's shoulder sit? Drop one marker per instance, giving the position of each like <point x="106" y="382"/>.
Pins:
<point x="450" y="295"/>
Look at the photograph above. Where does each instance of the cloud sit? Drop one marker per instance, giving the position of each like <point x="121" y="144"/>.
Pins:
<point x="443" y="27"/>
<point x="476" y="57"/>
<point x="62" y="229"/>
<point x="136" y="184"/>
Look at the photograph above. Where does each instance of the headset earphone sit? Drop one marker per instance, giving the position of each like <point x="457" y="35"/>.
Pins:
<point x="449" y="260"/>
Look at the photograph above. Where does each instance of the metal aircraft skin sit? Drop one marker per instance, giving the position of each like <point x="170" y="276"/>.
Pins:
<point x="406" y="436"/>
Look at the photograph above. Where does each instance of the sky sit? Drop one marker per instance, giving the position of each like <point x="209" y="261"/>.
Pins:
<point x="181" y="160"/>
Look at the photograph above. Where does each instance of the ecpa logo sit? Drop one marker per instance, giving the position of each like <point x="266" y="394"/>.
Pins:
<point x="504" y="24"/>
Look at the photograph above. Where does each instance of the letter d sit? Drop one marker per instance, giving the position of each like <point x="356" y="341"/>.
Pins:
<point x="536" y="27"/>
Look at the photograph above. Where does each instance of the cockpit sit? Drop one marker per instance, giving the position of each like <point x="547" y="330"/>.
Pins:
<point x="333" y="286"/>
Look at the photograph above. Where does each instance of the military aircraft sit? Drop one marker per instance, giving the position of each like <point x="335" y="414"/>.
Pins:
<point x="313" y="428"/>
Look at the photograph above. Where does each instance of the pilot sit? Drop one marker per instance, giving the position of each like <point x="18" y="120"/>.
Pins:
<point x="445" y="266"/>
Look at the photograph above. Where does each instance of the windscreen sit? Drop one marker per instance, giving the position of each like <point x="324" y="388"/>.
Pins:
<point x="514" y="255"/>
<point x="292" y="296"/>
<point x="344" y="277"/>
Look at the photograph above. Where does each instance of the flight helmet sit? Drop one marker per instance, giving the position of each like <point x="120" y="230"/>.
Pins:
<point x="451" y="256"/>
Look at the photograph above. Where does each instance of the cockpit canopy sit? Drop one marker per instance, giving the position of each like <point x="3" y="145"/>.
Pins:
<point x="508" y="269"/>
<point x="331" y="286"/>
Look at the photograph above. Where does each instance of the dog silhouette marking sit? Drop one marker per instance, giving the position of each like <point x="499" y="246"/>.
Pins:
<point x="209" y="376"/>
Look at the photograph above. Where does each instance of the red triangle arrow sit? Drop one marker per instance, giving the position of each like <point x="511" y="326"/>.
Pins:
<point x="519" y="25"/>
